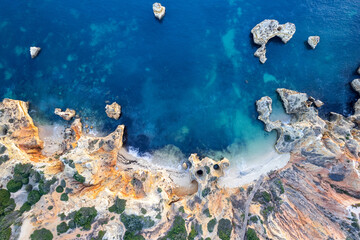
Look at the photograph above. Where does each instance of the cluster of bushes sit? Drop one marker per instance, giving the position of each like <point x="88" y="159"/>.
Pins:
<point x="134" y="224"/>
<point x="83" y="218"/>
<point x="251" y="234"/>
<point x="3" y="158"/>
<point x="177" y="231"/>
<point x="224" y="229"/>
<point x="118" y="206"/>
<point x="41" y="234"/>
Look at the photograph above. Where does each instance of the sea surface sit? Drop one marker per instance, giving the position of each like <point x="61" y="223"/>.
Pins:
<point x="190" y="80"/>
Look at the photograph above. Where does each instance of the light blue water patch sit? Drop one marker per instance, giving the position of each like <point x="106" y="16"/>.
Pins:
<point x="190" y="80"/>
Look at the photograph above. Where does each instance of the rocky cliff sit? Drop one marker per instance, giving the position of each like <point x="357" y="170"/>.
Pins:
<point x="92" y="188"/>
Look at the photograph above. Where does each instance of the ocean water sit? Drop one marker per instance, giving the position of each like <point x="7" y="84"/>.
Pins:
<point x="189" y="81"/>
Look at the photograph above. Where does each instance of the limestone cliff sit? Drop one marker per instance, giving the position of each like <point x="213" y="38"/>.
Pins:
<point x="92" y="188"/>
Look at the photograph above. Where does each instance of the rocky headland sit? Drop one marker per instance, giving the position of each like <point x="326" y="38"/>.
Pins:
<point x="92" y="188"/>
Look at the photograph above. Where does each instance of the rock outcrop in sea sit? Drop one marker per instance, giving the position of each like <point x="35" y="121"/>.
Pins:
<point x="159" y="10"/>
<point x="268" y="29"/>
<point x="93" y="188"/>
<point x="34" y="51"/>
<point x="313" y="41"/>
<point x="67" y="115"/>
<point x="113" y="110"/>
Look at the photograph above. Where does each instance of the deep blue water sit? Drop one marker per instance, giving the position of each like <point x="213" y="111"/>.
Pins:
<point x="190" y="80"/>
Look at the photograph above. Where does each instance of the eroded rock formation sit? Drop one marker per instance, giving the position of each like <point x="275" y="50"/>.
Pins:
<point x="34" y="51"/>
<point x="67" y="115"/>
<point x="159" y="11"/>
<point x="93" y="187"/>
<point x="268" y="29"/>
<point x="313" y="41"/>
<point x="113" y="110"/>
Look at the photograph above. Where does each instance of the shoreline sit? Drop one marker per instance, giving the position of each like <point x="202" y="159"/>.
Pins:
<point x="316" y="172"/>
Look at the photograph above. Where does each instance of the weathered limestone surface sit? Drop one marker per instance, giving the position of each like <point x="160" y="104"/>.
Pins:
<point x="67" y="115"/>
<point x="313" y="41"/>
<point x="312" y="197"/>
<point x="113" y="110"/>
<point x="268" y="29"/>
<point x="159" y="11"/>
<point x="34" y="51"/>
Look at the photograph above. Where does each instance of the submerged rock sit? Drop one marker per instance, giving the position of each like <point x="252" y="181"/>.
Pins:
<point x="34" y="51"/>
<point x="313" y="41"/>
<point x="268" y="29"/>
<point x="159" y="11"/>
<point x="67" y="115"/>
<point x="113" y="110"/>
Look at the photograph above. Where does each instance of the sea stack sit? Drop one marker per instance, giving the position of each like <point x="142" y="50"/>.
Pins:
<point x="268" y="29"/>
<point x="113" y="110"/>
<point x="313" y="41"/>
<point x="34" y="51"/>
<point x="159" y="11"/>
<point x="67" y="115"/>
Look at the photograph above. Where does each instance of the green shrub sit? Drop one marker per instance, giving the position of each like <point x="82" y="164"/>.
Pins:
<point x="64" y="197"/>
<point x="205" y="192"/>
<point x="118" y="206"/>
<point x="206" y="212"/>
<point x="63" y="183"/>
<point x="2" y="149"/>
<point x="254" y="219"/>
<point x="280" y="185"/>
<point x="62" y="228"/>
<point x="41" y="234"/>
<point x="211" y="225"/>
<point x="134" y="223"/>
<point x="5" y="234"/>
<point x="28" y="188"/>
<point x="267" y="211"/>
<point x="181" y="209"/>
<point x="4" y="158"/>
<point x="131" y="236"/>
<point x="33" y="197"/>
<point x="193" y="233"/>
<point x="84" y="217"/>
<point x="177" y="231"/>
<point x="50" y="207"/>
<point x="14" y="186"/>
<point x="25" y="207"/>
<point x="35" y="175"/>
<point x="7" y="204"/>
<point x="143" y="211"/>
<point x="99" y="236"/>
<point x="251" y="234"/>
<point x="59" y="189"/>
<point x="266" y="196"/>
<point x="72" y="224"/>
<point x="44" y="185"/>
<point x="159" y="190"/>
<point x="23" y="169"/>
<point x="79" y="177"/>
<point x="224" y="229"/>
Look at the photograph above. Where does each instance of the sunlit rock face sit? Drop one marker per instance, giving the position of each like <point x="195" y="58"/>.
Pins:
<point x="67" y="115"/>
<point x="113" y="110"/>
<point x="34" y="51"/>
<point x="159" y="11"/>
<point x="120" y="196"/>
<point x="313" y="41"/>
<point x="268" y="29"/>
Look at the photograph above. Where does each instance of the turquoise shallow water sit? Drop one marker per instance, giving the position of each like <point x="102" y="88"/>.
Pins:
<point x="190" y="80"/>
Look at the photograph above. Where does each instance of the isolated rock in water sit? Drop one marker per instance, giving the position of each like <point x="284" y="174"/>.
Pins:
<point x="318" y="103"/>
<point x="66" y="115"/>
<point x="358" y="71"/>
<point x="113" y="110"/>
<point x="268" y="29"/>
<point x="159" y="11"/>
<point x="313" y="41"/>
<point x="34" y="51"/>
